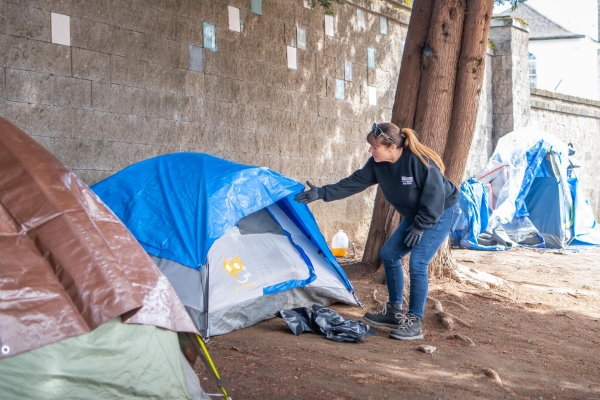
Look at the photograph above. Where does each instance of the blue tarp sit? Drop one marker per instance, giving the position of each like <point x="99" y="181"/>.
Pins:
<point x="177" y="205"/>
<point x="533" y="201"/>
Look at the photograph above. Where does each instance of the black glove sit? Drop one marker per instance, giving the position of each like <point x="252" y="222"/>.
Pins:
<point x="308" y="196"/>
<point x="414" y="236"/>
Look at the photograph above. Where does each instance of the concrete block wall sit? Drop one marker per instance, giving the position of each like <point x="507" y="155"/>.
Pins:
<point x="510" y="78"/>
<point x="482" y="145"/>
<point x="123" y="91"/>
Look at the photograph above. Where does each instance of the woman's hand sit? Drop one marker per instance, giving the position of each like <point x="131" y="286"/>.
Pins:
<point x="308" y="196"/>
<point x="414" y="236"/>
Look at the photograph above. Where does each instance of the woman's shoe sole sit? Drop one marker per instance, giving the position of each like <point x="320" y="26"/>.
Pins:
<point x="381" y="323"/>
<point x="406" y="337"/>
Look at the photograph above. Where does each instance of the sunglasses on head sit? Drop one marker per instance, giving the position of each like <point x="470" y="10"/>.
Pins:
<point x="377" y="131"/>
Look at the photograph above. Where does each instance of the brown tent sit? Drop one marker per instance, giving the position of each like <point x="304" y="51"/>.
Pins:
<point x="67" y="264"/>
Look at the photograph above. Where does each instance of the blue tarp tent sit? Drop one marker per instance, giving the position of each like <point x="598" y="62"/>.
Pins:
<point x="229" y="237"/>
<point x="527" y="194"/>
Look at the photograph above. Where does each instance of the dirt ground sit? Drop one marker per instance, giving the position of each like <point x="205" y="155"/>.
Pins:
<point x="539" y="331"/>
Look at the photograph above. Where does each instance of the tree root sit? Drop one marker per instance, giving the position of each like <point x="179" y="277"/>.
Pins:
<point x="379" y="302"/>
<point x="493" y="374"/>
<point x="446" y="319"/>
<point x="463" y="339"/>
<point x="458" y="304"/>
<point x="488" y="297"/>
<point x="472" y="277"/>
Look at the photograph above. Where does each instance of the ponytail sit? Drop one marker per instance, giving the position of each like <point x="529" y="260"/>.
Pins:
<point x="420" y="150"/>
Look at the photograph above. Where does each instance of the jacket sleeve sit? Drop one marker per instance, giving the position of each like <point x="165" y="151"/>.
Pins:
<point x="433" y="196"/>
<point x="355" y="183"/>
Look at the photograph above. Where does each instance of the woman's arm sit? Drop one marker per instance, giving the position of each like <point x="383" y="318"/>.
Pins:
<point x="433" y="196"/>
<point x="355" y="183"/>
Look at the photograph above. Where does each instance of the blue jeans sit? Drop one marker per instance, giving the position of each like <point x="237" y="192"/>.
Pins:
<point x="421" y="254"/>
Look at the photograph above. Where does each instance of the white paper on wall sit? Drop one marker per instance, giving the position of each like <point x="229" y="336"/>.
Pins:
<point x="234" y="19"/>
<point x="291" y="57"/>
<point x="348" y="71"/>
<point x="372" y="96"/>
<point x="329" y="25"/>
<point x="383" y="25"/>
<point x="360" y="15"/>
<point x="61" y="29"/>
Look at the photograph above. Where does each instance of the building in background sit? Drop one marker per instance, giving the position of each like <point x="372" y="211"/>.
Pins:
<point x="563" y="46"/>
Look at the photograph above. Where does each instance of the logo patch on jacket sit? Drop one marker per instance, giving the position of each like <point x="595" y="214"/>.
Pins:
<point x="407" y="180"/>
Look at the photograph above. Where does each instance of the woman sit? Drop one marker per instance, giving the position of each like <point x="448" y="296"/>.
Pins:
<point x="411" y="178"/>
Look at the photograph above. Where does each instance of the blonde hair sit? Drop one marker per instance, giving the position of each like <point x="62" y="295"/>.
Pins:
<point x="420" y="150"/>
<point x="407" y="138"/>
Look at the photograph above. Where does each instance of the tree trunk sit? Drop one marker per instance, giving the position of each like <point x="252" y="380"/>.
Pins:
<point x="439" y="64"/>
<point x="446" y="103"/>
<point x="469" y="81"/>
<point x="385" y="218"/>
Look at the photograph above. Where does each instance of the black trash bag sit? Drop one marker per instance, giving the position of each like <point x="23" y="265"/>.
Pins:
<point x="298" y="319"/>
<point x="326" y="321"/>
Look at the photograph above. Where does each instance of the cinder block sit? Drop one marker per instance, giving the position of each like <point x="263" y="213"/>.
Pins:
<point x="190" y="135"/>
<point x="264" y="27"/>
<point x="190" y="110"/>
<point x="328" y="107"/>
<point x="17" y="113"/>
<point x="203" y="11"/>
<point x="111" y="155"/>
<point x="169" y="106"/>
<point x="179" y="29"/>
<point x="33" y="55"/>
<point x="2" y="18"/>
<point x="138" y="105"/>
<point x="30" y="87"/>
<point x="378" y="78"/>
<point x="84" y="125"/>
<point x="310" y="19"/>
<point x="2" y="84"/>
<point x="93" y="10"/>
<point x="51" y="121"/>
<point x="28" y="22"/>
<point x="307" y="103"/>
<point x="91" y="65"/>
<point x="46" y="141"/>
<point x="151" y="102"/>
<point x="101" y="96"/>
<point x="194" y="84"/>
<point x="137" y="18"/>
<point x="331" y="84"/>
<point x="71" y="92"/>
<point x="126" y="71"/>
<point x="74" y="153"/>
<point x="122" y="99"/>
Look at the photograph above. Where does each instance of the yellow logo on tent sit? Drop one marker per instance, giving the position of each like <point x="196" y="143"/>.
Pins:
<point x="233" y="265"/>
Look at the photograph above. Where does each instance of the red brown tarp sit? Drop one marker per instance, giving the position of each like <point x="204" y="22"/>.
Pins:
<point x="67" y="264"/>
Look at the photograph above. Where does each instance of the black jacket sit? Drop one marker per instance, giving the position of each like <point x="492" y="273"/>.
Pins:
<point x="416" y="191"/>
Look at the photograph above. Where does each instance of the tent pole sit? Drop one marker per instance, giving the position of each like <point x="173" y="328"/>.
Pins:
<point x="207" y="335"/>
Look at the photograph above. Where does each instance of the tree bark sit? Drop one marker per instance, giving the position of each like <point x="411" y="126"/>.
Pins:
<point x="439" y="64"/>
<point x="469" y="82"/>
<point x="439" y="104"/>
<point x="385" y="218"/>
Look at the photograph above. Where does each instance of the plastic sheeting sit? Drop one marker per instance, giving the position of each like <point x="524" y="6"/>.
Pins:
<point x="177" y="205"/>
<point x="326" y="321"/>
<point x="68" y="264"/>
<point x="115" y="361"/>
<point x="523" y="196"/>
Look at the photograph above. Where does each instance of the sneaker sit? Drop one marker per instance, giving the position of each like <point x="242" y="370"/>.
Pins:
<point x="390" y="316"/>
<point x="409" y="330"/>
